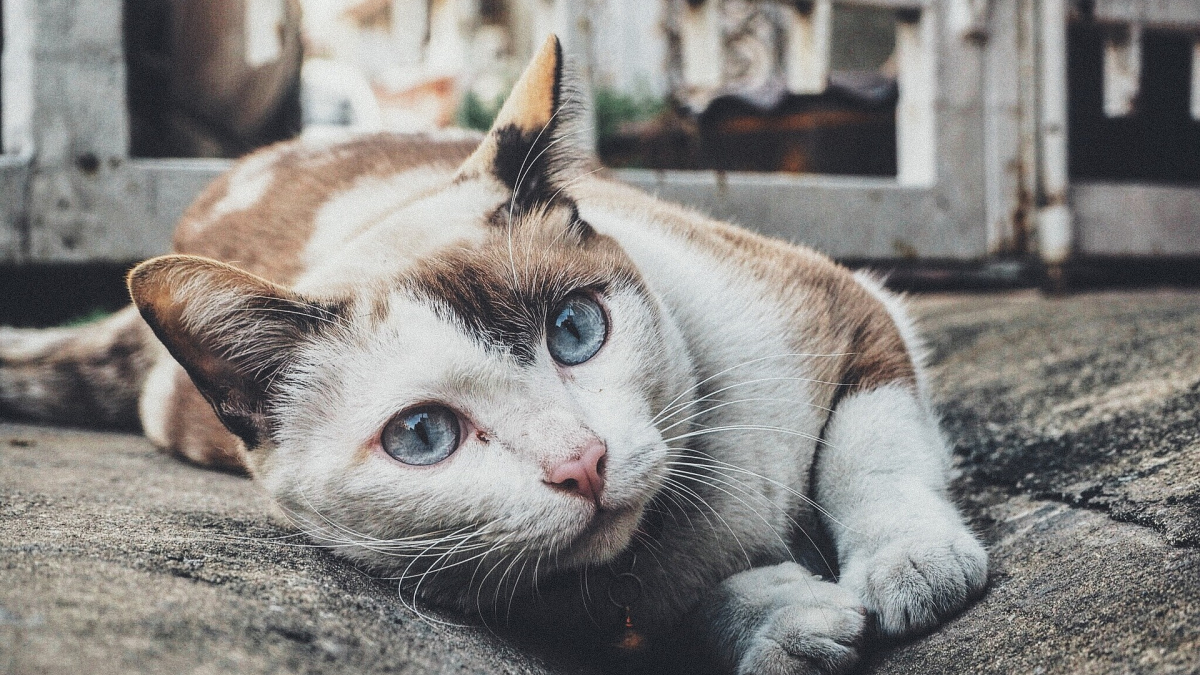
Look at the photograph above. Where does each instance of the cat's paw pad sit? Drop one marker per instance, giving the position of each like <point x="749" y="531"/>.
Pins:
<point x="910" y="585"/>
<point x="818" y="633"/>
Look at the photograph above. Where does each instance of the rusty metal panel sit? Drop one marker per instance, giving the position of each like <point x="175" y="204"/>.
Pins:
<point x="1136" y="219"/>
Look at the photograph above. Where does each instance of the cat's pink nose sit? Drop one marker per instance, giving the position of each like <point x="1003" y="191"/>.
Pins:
<point x="583" y="475"/>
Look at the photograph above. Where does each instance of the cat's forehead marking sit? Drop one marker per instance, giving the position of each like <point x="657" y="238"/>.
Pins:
<point x="381" y="227"/>
<point x="503" y="291"/>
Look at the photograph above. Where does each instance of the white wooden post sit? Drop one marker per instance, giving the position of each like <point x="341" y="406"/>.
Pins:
<point x="1006" y="138"/>
<point x="448" y="44"/>
<point x="1196" y="79"/>
<point x="262" y="31"/>
<point x="806" y="59"/>
<point x="701" y="45"/>
<point x="16" y="76"/>
<point x="1122" y="69"/>
<point x="410" y="24"/>
<point x="916" y="123"/>
<point x="967" y="19"/>
<point x="1055" y="231"/>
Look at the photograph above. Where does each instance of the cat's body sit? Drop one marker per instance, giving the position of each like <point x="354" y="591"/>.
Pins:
<point x="742" y="393"/>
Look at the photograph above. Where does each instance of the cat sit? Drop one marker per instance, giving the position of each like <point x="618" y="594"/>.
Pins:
<point x="534" y="393"/>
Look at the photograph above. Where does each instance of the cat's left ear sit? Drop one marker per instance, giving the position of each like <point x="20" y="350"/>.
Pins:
<point x="529" y="147"/>
<point x="233" y="332"/>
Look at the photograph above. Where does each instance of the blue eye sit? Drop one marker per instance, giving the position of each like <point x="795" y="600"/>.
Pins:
<point x="421" y="436"/>
<point x="576" y="330"/>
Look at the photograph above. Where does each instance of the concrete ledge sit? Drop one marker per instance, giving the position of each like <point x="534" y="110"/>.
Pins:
<point x="843" y="216"/>
<point x="1136" y="219"/>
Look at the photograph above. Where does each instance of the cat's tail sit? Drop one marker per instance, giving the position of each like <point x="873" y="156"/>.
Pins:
<point x="88" y="375"/>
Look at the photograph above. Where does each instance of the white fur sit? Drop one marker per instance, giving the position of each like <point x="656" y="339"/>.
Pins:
<point x="881" y="478"/>
<point x="157" y="397"/>
<point x="247" y="184"/>
<point x="381" y="226"/>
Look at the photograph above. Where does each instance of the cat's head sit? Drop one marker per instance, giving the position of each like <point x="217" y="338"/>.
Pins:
<point x="494" y="400"/>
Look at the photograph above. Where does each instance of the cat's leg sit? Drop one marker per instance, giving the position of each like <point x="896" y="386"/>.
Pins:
<point x="880" y="478"/>
<point x="780" y="620"/>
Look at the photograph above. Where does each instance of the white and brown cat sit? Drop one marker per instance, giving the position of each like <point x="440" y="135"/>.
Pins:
<point x="532" y="392"/>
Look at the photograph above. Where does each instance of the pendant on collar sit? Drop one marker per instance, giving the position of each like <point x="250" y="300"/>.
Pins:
<point x="623" y="592"/>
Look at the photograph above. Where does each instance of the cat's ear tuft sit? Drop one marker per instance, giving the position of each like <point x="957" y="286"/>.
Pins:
<point x="530" y="147"/>
<point x="233" y="332"/>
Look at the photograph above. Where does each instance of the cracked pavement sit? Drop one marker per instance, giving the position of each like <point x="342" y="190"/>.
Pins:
<point x="1076" y="427"/>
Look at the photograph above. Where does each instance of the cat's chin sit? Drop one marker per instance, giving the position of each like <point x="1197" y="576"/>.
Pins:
<point x="606" y="535"/>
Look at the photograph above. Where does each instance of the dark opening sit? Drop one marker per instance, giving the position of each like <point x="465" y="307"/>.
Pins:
<point x="1159" y="141"/>
<point x="40" y="295"/>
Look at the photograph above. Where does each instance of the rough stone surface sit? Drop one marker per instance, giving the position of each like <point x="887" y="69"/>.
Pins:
<point x="1076" y="425"/>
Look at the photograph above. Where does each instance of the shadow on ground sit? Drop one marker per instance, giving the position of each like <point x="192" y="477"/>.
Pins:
<point x="1076" y="425"/>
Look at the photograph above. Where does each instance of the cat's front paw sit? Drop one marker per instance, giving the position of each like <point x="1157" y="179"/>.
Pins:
<point x="912" y="584"/>
<point x="807" y="626"/>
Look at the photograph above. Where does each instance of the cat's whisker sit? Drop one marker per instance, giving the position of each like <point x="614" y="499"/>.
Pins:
<point x="483" y="581"/>
<point x="741" y="487"/>
<point x="734" y="367"/>
<point x="671" y="488"/>
<point x="516" y="587"/>
<point x="749" y="490"/>
<point x="709" y="480"/>
<point x="713" y="483"/>
<point x="749" y="563"/>
<point x="723" y="404"/>
<point x="709" y="396"/>
<point x="712" y="462"/>
<point x="745" y="427"/>
<point x="512" y="560"/>
<point x="438" y="564"/>
<point x="571" y="182"/>
<point x="368" y="540"/>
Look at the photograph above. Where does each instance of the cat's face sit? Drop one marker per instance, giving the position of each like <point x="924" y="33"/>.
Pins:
<point x="503" y="393"/>
<point x="493" y="400"/>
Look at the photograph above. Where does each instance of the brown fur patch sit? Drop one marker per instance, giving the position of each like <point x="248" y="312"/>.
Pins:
<point x="503" y="291"/>
<point x="195" y="433"/>
<point x="268" y="238"/>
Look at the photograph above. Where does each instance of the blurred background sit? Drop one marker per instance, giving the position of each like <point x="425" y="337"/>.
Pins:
<point x="951" y="143"/>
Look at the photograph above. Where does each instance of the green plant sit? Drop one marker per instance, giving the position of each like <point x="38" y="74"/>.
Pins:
<point x="614" y="108"/>
<point x="473" y="113"/>
<point x="91" y="316"/>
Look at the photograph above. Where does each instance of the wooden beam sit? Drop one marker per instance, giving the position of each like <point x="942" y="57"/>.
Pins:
<point x="1122" y="69"/>
<point x="916" y="120"/>
<point x="806" y="56"/>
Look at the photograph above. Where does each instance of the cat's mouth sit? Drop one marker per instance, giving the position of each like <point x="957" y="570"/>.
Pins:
<point x="606" y="534"/>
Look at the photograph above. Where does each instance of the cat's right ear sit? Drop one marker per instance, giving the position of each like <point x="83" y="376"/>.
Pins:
<point x="530" y="147"/>
<point x="233" y="332"/>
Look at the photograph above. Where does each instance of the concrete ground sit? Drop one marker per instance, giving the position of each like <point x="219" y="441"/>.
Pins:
<point x="1076" y="425"/>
